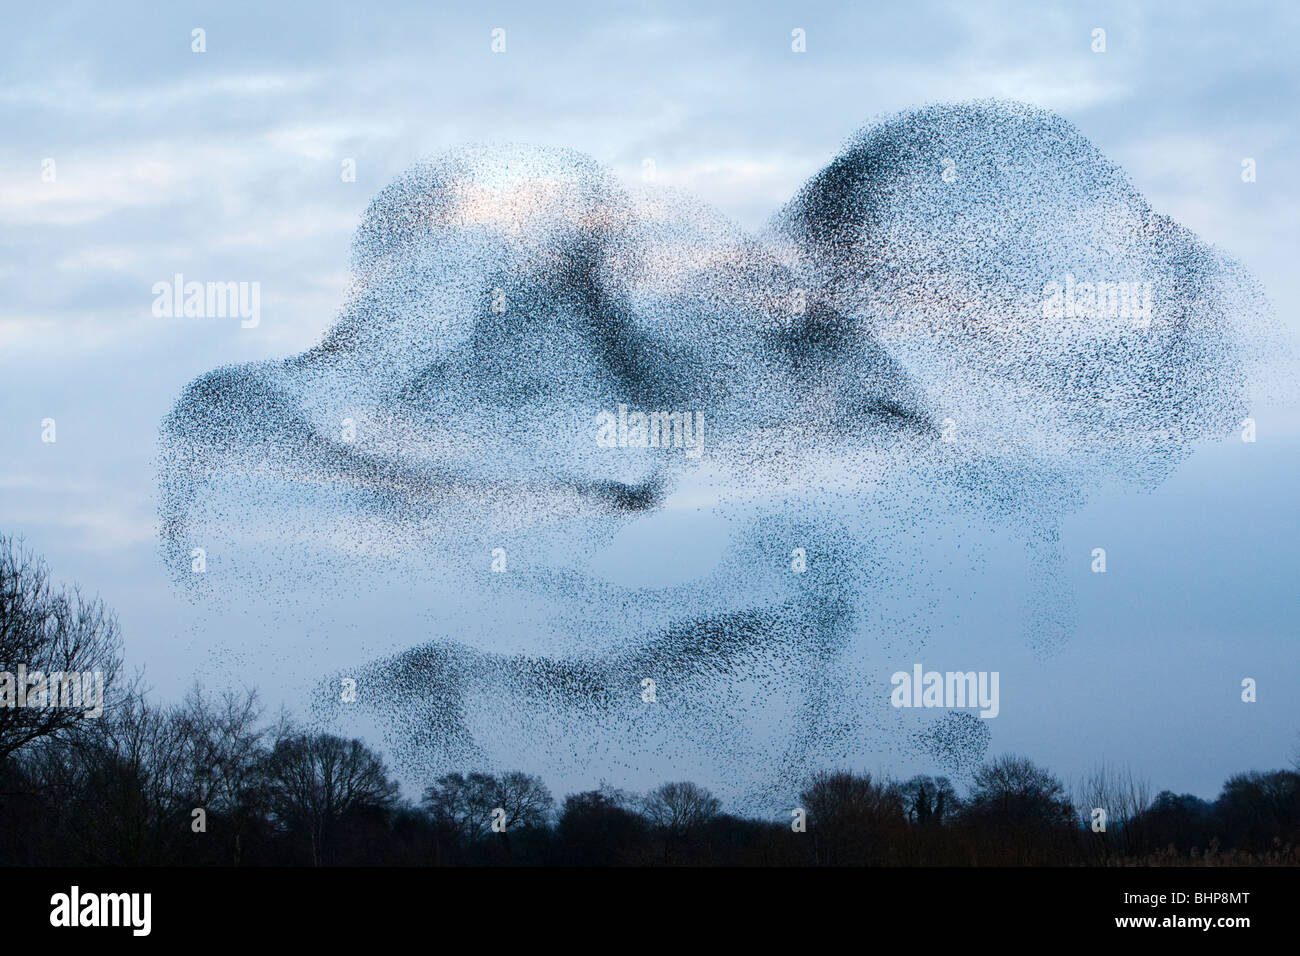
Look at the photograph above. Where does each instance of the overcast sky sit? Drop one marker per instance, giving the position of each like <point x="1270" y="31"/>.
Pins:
<point x="226" y="165"/>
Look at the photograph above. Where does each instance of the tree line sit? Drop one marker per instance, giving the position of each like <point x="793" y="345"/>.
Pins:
<point x="210" y="782"/>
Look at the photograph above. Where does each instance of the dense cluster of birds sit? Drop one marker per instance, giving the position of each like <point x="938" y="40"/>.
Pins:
<point x="968" y="312"/>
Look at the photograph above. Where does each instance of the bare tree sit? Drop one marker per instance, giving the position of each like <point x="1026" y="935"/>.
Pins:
<point x="136" y="792"/>
<point x="854" y="819"/>
<point x="928" y="800"/>
<point x="600" y="828"/>
<point x="1018" y="813"/>
<point x="1124" y="798"/>
<point x="317" y="780"/>
<point x="469" y="804"/>
<point x="462" y="803"/>
<point x="50" y="638"/>
<point x="222" y="746"/>
<point x="678" y="810"/>
<point x="1018" y="786"/>
<point x="525" y="800"/>
<point x="1260" y="810"/>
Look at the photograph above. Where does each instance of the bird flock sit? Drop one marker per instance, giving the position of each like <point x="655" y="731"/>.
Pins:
<point x="969" y="319"/>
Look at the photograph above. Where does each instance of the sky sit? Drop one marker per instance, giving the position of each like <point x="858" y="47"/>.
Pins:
<point x="227" y="164"/>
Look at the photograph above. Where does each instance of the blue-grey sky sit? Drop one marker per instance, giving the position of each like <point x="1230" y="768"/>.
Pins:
<point x="227" y="163"/>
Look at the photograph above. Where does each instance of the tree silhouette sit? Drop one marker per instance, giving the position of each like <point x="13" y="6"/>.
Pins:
<point x="1125" y="798"/>
<point x="854" y="820"/>
<point x="51" y="634"/>
<point x="222" y="744"/>
<point x="928" y="799"/>
<point x="597" y="829"/>
<point x="1018" y="813"/>
<point x="1257" y="810"/>
<point x="316" y="782"/>
<point x="470" y="805"/>
<point x="678" y="810"/>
